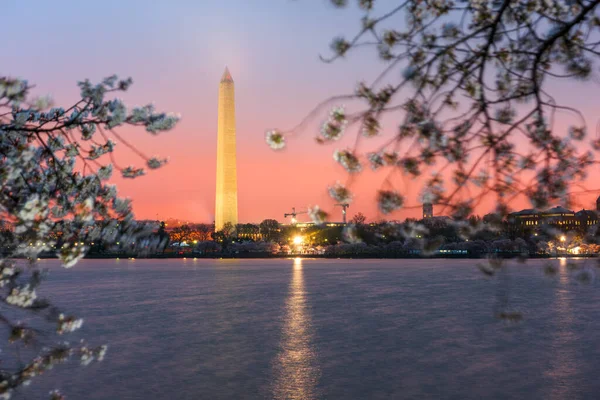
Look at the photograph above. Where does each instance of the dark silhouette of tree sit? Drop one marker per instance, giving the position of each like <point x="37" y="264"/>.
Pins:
<point x="225" y="236"/>
<point x="183" y="234"/>
<point x="270" y="230"/>
<point x="205" y="231"/>
<point x="228" y="230"/>
<point x="358" y="219"/>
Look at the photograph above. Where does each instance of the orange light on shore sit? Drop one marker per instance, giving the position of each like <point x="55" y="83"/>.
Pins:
<point x="298" y="240"/>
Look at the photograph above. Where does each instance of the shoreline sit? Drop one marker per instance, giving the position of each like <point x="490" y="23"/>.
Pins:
<point x="316" y="256"/>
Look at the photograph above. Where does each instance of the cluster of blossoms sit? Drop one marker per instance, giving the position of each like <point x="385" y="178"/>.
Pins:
<point x="68" y="324"/>
<point x="56" y="395"/>
<point x="333" y="128"/>
<point x="431" y="194"/>
<point x="375" y="161"/>
<point x="577" y="132"/>
<point x="105" y="172"/>
<point x="348" y="160"/>
<point x="46" y="362"/>
<point x="162" y="122"/>
<point x="340" y="193"/>
<point x="71" y="254"/>
<point x="370" y="125"/>
<point x="389" y="201"/>
<point x="413" y="230"/>
<point x="156" y="162"/>
<point x="53" y="189"/>
<point x="132" y="172"/>
<point x="87" y="355"/>
<point x="22" y="297"/>
<point x="275" y="139"/>
<point x="96" y="152"/>
<point x="350" y="234"/>
<point x="384" y="159"/>
<point x="6" y="274"/>
<point x="5" y="391"/>
<point x="33" y="208"/>
<point x="317" y="215"/>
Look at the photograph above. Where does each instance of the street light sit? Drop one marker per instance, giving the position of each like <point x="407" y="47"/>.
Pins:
<point x="298" y="240"/>
<point x="563" y="238"/>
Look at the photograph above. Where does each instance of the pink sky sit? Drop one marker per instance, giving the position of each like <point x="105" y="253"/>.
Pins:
<point x="176" y="54"/>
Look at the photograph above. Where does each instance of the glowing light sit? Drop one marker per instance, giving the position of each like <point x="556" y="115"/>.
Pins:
<point x="563" y="238"/>
<point x="298" y="240"/>
<point x="575" y="250"/>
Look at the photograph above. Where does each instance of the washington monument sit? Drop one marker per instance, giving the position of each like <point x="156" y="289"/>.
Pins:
<point x="226" y="196"/>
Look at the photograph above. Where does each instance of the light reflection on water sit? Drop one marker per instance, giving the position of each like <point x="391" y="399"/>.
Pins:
<point x="296" y="369"/>
<point x="563" y="365"/>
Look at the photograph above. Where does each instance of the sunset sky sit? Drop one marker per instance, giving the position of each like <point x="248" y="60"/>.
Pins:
<point x="176" y="52"/>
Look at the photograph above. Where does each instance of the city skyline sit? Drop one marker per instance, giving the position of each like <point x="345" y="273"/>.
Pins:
<point x="178" y="68"/>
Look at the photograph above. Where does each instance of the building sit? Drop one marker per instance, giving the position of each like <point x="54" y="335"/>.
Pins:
<point x="587" y="218"/>
<point x="525" y="218"/>
<point x="226" y="210"/>
<point x="533" y="221"/>
<point x="441" y="221"/>
<point x="560" y="218"/>
<point x="427" y="210"/>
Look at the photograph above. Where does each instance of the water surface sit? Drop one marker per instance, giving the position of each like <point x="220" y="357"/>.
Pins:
<point x="326" y="329"/>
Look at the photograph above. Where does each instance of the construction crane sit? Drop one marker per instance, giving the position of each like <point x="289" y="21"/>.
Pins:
<point x="293" y="214"/>
<point x="344" y="207"/>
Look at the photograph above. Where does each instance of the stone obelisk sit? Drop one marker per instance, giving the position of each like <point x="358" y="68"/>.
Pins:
<point x="226" y="195"/>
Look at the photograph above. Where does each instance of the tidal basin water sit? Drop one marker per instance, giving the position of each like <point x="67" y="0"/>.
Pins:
<point x="326" y="329"/>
